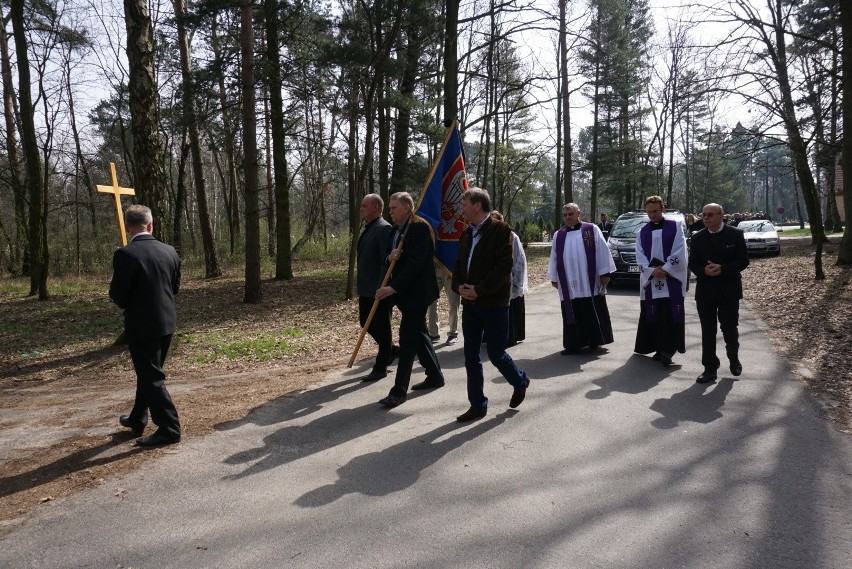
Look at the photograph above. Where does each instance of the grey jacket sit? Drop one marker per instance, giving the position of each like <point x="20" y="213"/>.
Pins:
<point x="373" y="249"/>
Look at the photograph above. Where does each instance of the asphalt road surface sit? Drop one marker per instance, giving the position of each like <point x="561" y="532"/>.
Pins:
<point x="613" y="461"/>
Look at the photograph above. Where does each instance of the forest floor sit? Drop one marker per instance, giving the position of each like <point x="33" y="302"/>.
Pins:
<point x="63" y="385"/>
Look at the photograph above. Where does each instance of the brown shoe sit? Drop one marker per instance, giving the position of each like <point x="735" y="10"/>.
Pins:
<point x="472" y="414"/>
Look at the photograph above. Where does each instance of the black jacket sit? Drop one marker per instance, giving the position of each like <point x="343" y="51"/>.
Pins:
<point x="413" y="276"/>
<point x="728" y="248"/>
<point x="490" y="270"/>
<point x="145" y="280"/>
<point x="373" y="248"/>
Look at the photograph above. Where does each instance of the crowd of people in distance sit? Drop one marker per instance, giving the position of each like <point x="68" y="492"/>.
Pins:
<point x="695" y="223"/>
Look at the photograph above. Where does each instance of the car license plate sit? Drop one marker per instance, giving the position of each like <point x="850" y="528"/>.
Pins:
<point x="633" y="269"/>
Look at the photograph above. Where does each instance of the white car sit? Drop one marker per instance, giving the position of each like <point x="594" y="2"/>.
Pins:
<point x="760" y="236"/>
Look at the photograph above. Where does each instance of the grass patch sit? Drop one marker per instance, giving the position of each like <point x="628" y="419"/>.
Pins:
<point x="806" y="232"/>
<point x="261" y="347"/>
<point x="20" y="286"/>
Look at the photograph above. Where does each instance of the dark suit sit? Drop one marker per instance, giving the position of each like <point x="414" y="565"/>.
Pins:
<point x="490" y="273"/>
<point x="146" y="278"/>
<point x="718" y="297"/>
<point x="416" y="288"/>
<point x="373" y="248"/>
<point x="605" y="228"/>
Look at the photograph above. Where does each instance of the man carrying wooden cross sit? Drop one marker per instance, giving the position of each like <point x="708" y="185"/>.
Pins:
<point x="145" y="280"/>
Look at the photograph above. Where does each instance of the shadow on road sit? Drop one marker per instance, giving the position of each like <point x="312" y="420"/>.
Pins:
<point x="80" y="460"/>
<point x="692" y="405"/>
<point x="397" y="467"/>
<point x="298" y="441"/>
<point x="638" y="375"/>
<point x="294" y="405"/>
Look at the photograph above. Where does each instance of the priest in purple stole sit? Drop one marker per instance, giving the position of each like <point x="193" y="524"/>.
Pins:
<point x="662" y="257"/>
<point x="580" y="264"/>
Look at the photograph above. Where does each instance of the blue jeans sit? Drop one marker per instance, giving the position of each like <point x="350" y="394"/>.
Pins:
<point x="494" y="322"/>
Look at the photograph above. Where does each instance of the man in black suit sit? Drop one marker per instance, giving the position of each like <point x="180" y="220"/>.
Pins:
<point x="483" y="279"/>
<point x="412" y="288"/>
<point x="717" y="257"/>
<point x="605" y="225"/>
<point x="373" y="249"/>
<point x="145" y="280"/>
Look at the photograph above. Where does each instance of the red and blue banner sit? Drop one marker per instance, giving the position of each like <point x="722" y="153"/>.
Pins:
<point x="441" y="203"/>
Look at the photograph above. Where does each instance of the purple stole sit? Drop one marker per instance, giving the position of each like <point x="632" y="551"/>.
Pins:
<point x="675" y="290"/>
<point x="588" y="233"/>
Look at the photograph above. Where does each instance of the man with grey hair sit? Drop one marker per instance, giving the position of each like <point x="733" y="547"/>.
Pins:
<point x="373" y="249"/>
<point x="579" y="268"/>
<point x="718" y="256"/>
<point x="145" y="280"/>
<point x="412" y="288"/>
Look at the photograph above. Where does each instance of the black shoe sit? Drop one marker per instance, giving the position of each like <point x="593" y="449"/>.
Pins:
<point x="394" y="354"/>
<point x="567" y="352"/>
<point x="375" y="376"/>
<point x="736" y="368"/>
<point x="666" y="358"/>
<point x="706" y="377"/>
<point x="656" y="357"/>
<point x="452" y="339"/>
<point x="137" y="428"/>
<point x="518" y="397"/>
<point x="392" y="401"/>
<point x="434" y="338"/>
<point x="472" y="414"/>
<point x="159" y="438"/>
<point x="428" y="384"/>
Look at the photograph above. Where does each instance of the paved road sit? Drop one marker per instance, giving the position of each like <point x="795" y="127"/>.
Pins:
<point x="612" y="461"/>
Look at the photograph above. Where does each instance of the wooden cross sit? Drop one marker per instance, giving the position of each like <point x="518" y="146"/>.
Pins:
<point x="117" y="192"/>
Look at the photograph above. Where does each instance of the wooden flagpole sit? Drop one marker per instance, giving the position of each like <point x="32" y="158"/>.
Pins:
<point x="389" y="272"/>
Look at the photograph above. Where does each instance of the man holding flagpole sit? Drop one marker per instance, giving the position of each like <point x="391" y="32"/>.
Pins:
<point x="412" y="288"/>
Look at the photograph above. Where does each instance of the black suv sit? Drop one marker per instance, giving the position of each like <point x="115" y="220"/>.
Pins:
<point x="622" y="241"/>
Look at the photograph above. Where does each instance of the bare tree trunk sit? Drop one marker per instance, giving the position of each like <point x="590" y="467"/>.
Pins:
<point x="211" y="258"/>
<point x="352" y="187"/>
<point x="39" y="257"/>
<point x="557" y="183"/>
<point x="252" y="273"/>
<point x="403" y="114"/>
<point x="80" y="160"/>
<point x="451" y="62"/>
<point x="19" y="246"/>
<point x="229" y="177"/>
<point x="270" y="180"/>
<point x="568" y="182"/>
<point x="180" y="197"/>
<point x="283" y="256"/>
<point x="844" y="254"/>
<point x="150" y="174"/>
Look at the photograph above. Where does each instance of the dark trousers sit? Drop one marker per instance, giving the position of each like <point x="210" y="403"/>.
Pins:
<point x="727" y="315"/>
<point x="414" y="342"/>
<point x="148" y="357"/>
<point x="379" y="330"/>
<point x="493" y="321"/>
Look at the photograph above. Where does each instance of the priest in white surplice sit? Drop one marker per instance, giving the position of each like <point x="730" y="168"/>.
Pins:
<point x="580" y="264"/>
<point x="662" y="257"/>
